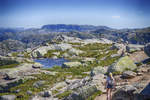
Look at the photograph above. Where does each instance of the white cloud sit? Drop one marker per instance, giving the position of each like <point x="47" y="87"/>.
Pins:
<point x="116" y="16"/>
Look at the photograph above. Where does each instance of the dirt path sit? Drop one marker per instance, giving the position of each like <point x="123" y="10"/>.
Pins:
<point x="145" y="76"/>
<point x="138" y="56"/>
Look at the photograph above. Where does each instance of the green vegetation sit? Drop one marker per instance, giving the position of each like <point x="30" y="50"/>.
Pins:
<point x="27" y="55"/>
<point x="93" y="51"/>
<point x="125" y="63"/>
<point x="117" y="73"/>
<point x="50" y="80"/>
<point x="94" y="95"/>
<point x="64" y="94"/>
<point x="99" y="51"/>
<point x="4" y="63"/>
<point x="7" y="62"/>
<point x="139" y="64"/>
<point x="96" y="46"/>
<point x="96" y="50"/>
<point x="75" y="72"/>
<point x="54" y="91"/>
<point x="15" y="54"/>
<point x="50" y="53"/>
<point x="77" y="43"/>
<point x="9" y="66"/>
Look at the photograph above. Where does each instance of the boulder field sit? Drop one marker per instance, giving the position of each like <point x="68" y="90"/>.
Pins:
<point x="83" y="77"/>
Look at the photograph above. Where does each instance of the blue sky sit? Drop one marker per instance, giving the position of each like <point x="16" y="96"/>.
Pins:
<point x="112" y="13"/>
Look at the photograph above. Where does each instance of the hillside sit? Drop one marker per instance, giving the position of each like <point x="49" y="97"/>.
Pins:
<point x="81" y="77"/>
<point x="38" y="36"/>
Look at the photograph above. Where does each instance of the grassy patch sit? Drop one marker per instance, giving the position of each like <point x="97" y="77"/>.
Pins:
<point x="50" y="53"/>
<point x="50" y="80"/>
<point x="117" y="73"/>
<point x="74" y="71"/>
<point x="54" y="92"/>
<point x="15" y="54"/>
<point x="96" y="50"/>
<point x="8" y="63"/>
<point x="95" y="46"/>
<point x="28" y="85"/>
<point x="9" y="66"/>
<point x="94" y="95"/>
<point x="64" y="94"/>
<point x="77" y="43"/>
<point x="27" y="55"/>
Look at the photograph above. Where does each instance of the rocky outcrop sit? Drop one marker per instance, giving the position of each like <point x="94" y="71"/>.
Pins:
<point x="8" y="97"/>
<point x="138" y="56"/>
<point x="6" y="85"/>
<point x="120" y="47"/>
<point x="71" y="64"/>
<point x="63" y="46"/>
<point x="137" y="91"/>
<point x="133" y="47"/>
<point x="125" y="93"/>
<point x="38" y="84"/>
<point x="82" y="93"/>
<point x="145" y="93"/>
<point x="87" y="60"/>
<point x="18" y="59"/>
<point x="102" y="40"/>
<point x="44" y="95"/>
<point x="59" y="85"/>
<point x="99" y="80"/>
<point x="15" y="76"/>
<point x="64" y="38"/>
<point x="41" y="51"/>
<point x="37" y="65"/>
<point x="74" y="51"/>
<point x="124" y="63"/>
<point x="99" y="70"/>
<point x="128" y="74"/>
<point x="13" y="73"/>
<point x="10" y="45"/>
<point x="147" y="49"/>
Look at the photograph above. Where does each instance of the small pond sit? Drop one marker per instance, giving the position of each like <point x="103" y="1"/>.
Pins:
<point x="48" y="62"/>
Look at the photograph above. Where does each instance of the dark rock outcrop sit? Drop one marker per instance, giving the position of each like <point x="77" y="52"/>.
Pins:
<point x="137" y="91"/>
<point x="147" y="49"/>
<point x="82" y="93"/>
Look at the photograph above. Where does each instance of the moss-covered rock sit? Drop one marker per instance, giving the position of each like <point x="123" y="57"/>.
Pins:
<point x="122" y="64"/>
<point x="99" y="70"/>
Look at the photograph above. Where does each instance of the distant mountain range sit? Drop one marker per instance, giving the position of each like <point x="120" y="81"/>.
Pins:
<point x="36" y="36"/>
<point x="69" y="28"/>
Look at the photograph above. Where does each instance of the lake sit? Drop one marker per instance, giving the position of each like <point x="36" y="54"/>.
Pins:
<point x="48" y="63"/>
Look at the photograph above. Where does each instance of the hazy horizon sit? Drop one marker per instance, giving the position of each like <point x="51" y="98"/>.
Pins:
<point x="112" y="13"/>
<point x="72" y="24"/>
